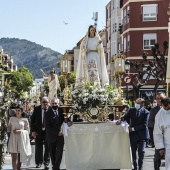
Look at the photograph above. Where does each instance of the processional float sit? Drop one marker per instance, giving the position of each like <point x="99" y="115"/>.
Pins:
<point x="91" y="103"/>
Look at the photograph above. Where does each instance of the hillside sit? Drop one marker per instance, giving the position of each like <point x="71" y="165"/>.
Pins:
<point x="31" y="55"/>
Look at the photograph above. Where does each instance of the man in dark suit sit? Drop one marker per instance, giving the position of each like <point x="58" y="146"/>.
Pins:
<point x="137" y="117"/>
<point x="53" y="121"/>
<point x="38" y="132"/>
<point x="151" y="122"/>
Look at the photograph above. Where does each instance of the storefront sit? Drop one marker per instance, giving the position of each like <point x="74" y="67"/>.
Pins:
<point x="149" y="94"/>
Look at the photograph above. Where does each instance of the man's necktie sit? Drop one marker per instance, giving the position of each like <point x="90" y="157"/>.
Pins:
<point x="43" y="122"/>
<point x="56" y="114"/>
<point x="137" y="114"/>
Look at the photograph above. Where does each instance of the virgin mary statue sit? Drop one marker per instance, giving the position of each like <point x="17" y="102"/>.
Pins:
<point x="91" y="62"/>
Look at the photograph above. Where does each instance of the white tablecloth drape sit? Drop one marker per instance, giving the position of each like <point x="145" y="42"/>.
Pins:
<point x="97" y="146"/>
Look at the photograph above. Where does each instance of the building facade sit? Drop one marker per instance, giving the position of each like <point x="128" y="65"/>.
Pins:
<point x="144" y="24"/>
<point x="113" y="24"/>
<point x="135" y="26"/>
<point x="6" y="66"/>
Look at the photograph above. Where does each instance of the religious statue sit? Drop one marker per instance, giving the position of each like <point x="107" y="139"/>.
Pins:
<point x="53" y="83"/>
<point x="91" y="63"/>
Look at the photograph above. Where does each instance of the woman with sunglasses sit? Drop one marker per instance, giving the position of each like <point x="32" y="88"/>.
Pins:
<point x="19" y="139"/>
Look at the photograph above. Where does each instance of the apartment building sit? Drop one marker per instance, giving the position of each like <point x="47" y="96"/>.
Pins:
<point x="133" y="27"/>
<point x="113" y="25"/>
<point x="6" y="65"/>
<point x="108" y="38"/>
<point x="144" y="23"/>
<point x="6" y="61"/>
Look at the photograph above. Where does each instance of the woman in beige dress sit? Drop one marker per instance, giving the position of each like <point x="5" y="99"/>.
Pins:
<point x="18" y="126"/>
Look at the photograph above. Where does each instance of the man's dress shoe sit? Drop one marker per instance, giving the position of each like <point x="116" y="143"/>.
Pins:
<point x="38" y="166"/>
<point x="46" y="167"/>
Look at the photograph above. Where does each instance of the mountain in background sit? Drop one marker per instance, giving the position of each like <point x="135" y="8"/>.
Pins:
<point x="31" y="55"/>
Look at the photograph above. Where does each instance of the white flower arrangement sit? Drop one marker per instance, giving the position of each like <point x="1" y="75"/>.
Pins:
<point x="92" y="96"/>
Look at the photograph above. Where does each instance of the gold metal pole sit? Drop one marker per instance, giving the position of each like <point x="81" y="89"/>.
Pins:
<point x="168" y="84"/>
<point x="167" y="89"/>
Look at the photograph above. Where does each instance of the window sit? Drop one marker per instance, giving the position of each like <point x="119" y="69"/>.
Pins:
<point x="113" y="4"/>
<point x="114" y="48"/>
<point x="128" y="42"/>
<point x="107" y="59"/>
<point x="149" y="12"/>
<point x="124" y="16"/>
<point x="107" y="14"/>
<point x="121" y="3"/>
<point x="113" y="28"/>
<point x="124" y="42"/>
<point x="128" y="14"/>
<point x="113" y="25"/>
<point x="149" y="40"/>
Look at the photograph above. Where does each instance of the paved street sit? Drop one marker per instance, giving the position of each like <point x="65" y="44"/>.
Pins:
<point x="148" y="161"/>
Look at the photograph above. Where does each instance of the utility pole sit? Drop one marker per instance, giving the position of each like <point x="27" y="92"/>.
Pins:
<point x="95" y="18"/>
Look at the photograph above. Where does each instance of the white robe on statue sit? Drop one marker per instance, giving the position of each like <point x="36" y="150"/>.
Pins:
<point x="53" y="86"/>
<point x="162" y="134"/>
<point x="91" y="65"/>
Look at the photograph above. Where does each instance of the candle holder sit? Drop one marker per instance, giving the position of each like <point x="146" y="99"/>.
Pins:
<point x="118" y="69"/>
<point x="65" y="72"/>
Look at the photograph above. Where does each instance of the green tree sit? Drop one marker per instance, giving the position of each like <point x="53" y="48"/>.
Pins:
<point x="46" y="87"/>
<point x="21" y="81"/>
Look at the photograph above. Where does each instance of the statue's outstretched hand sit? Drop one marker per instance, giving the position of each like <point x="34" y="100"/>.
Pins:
<point x="87" y="50"/>
<point x="41" y="70"/>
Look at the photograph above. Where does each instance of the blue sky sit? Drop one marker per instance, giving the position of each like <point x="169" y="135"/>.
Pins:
<point x="41" y="21"/>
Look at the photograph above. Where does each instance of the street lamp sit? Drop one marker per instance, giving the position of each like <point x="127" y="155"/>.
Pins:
<point x="65" y="72"/>
<point x="117" y="70"/>
<point x="66" y="64"/>
<point x="127" y="69"/>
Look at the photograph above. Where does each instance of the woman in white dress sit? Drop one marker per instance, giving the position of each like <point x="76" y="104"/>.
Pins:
<point x="18" y="126"/>
<point x="91" y="63"/>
